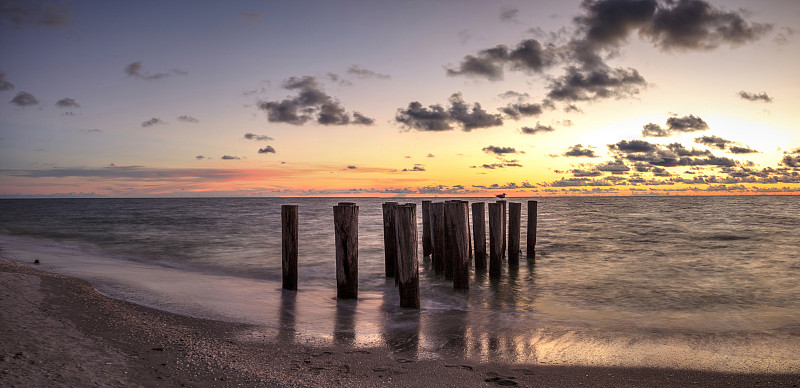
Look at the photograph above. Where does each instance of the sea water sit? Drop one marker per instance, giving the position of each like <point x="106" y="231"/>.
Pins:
<point x="687" y="282"/>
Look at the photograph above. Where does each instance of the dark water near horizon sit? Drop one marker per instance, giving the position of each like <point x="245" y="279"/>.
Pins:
<point x="700" y="282"/>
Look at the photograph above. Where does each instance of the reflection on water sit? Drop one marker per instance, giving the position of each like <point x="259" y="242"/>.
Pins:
<point x="689" y="282"/>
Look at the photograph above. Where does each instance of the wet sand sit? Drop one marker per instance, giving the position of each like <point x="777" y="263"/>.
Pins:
<point x="58" y="331"/>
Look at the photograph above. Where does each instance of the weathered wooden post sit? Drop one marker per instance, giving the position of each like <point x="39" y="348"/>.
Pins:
<point x="514" y="220"/>
<point x="479" y="232"/>
<point x="533" y="216"/>
<point x="405" y="218"/>
<point x="345" y="221"/>
<point x="503" y="223"/>
<point x="427" y="244"/>
<point x="289" y="246"/>
<point x="439" y="247"/>
<point x="389" y="251"/>
<point x="495" y="239"/>
<point x="458" y="243"/>
<point x="469" y="231"/>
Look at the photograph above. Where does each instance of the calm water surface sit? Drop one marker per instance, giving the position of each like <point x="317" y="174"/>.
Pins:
<point x="696" y="282"/>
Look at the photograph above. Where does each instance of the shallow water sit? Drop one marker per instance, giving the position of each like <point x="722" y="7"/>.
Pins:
<point x="694" y="282"/>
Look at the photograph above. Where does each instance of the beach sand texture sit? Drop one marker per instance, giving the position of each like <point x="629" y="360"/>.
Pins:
<point x="58" y="331"/>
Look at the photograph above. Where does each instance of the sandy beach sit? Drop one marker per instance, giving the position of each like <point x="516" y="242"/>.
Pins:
<point x="58" y="331"/>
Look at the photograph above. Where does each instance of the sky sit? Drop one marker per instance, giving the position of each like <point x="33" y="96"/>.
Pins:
<point x="399" y="98"/>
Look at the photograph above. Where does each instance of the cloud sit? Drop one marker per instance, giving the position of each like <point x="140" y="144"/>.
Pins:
<point x="690" y="123"/>
<point x="437" y="118"/>
<point x="67" y="103"/>
<point x="431" y="155"/>
<point x="229" y="157"/>
<point x="135" y="70"/>
<point x="188" y="119"/>
<point x="790" y="161"/>
<point x="201" y="157"/>
<point x="529" y="55"/>
<point x="498" y="165"/>
<point x="594" y="84"/>
<point x="741" y="150"/>
<point x="520" y="110"/>
<point x="5" y="85"/>
<point x="713" y="141"/>
<point x="267" y="150"/>
<point x="520" y="97"/>
<point x="698" y="25"/>
<point x="152" y="122"/>
<point x="310" y="103"/>
<point x="509" y="15"/>
<point x="755" y="96"/>
<point x="48" y="14"/>
<point x="654" y="130"/>
<point x="577" y="151"/>
<point x="253" y="136"/>
<point x="365" y="73"/>
<point x="417" y="167"/>
<point x="24" y="99"/>
<point x="352" y="167"/>
<point x="499" y="150"/>
<point x="539" y="128"/>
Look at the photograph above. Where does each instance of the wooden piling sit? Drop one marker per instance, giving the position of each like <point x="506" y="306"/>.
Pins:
<point x="458" y="243"/>
<point x="389" y="251"/>
<point x="345" y="220"/>
<point x="479" y="234"/>
<point x="514" y="220"/>
<point x="503" y="224"/>
<point x="289" y="246"/>
<point x="427" y="244"/>
<point x="469" y="231"/>
<point x="533" y="216"/>
<point x="438" y="238"/>
<point x="405" y="218"/>
<point x="495" y="239"/>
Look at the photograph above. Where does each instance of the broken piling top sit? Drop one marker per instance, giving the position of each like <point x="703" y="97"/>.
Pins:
<point x="345" y="220"/>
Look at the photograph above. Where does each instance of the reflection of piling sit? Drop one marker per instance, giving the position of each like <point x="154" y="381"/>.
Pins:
<point x="458" y="242"/>
<point x="289" y="246"/>
<point x="427" y="243"/>
<point x="345" y="220"/>
<point x="503" y="223"/>
<point x="479" y="232"/>
<point x="495" y="239"/>
<point x="438" y="237"/>
<point x="390" y="253"/>
<point x="532" y="219"/>
<point x="514" y="220"/>
<point x="405" y="218"/>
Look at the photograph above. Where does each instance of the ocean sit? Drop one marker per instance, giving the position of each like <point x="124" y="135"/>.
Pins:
<point x="684" y="282"/>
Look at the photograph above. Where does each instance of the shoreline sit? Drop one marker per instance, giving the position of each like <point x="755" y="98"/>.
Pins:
<point x="59" y="331"/>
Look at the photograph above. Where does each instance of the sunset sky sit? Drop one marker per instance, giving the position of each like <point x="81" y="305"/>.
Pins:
<point x="284" y="98"/>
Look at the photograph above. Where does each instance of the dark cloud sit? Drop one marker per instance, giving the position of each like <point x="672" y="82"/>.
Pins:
<point x="616" y="166"/>
<point x="365" y="73"/>
<point x="698" y="25"/>
<point x="633" y="146"/>
<point x="577" y="151"/>
<point x="580" y="173"/>
<point x="790" y="161"/>
<point x="48" y="14"/>
<point x="135" y="70"/>
<point x="310" y="103"/>
<point x="67" y="103"/>
<point x="529" y="55"/>
<point x="437" y="118"/>
<point x="352" y="167"/>
<point x="509" y="15"/>
<point x="572" y="108"/>
<point x="201" y="157"/>
<point x="229" y="157"/>
<point x="512" y="94"/>
<point x="266" y="150"/>
<point x="594" y="84"/>
<point x="358" y="118"/>
<point x="690" y="123"/>
<point x="253" y="136"/>
<point x="499" y="150"/>
<point x="680" y="150"/>
<point x="713" y="141"/>
<point x="654" y="130"/>
<point x="539" y="128"/>
<point x="518" y="111"/>
<point x="609" y="22"/>
<point x="188" y="119"/>
<point x="152" y="122"/>
<point x="741" y="150"/>
<point x="5" y="85"/>
<point x="498" y="165"/>
<point x="24" y="99"/>
<point x="755" y="96"/>
<point x="417" y="167"/>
